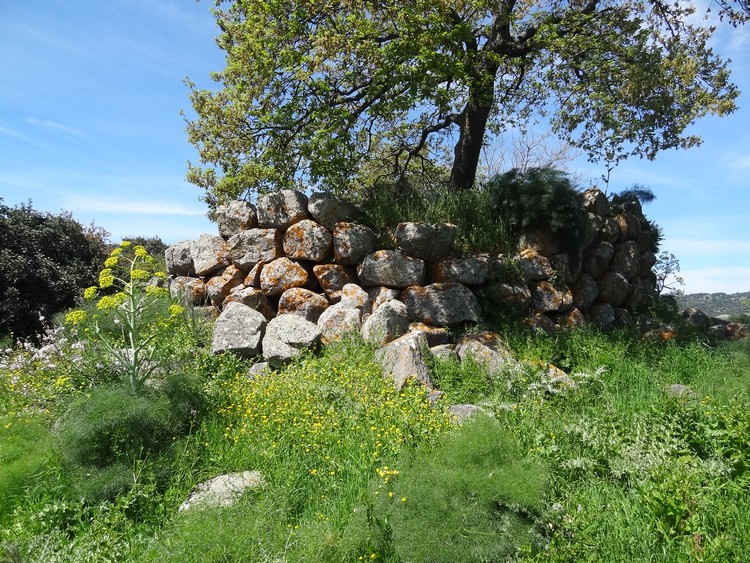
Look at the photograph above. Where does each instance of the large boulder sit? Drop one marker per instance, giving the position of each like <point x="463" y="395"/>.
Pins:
<point x="255" y="245"/>
<point x="380" y="295"/>
<point x="209" y="254"/>
<point x="279" y="210"/>
<point x="602" y="315"/>
<point x="469" y="270"/>
<point x="391" y="268"/>
<point x="507" y="296"/>
<point x="594" y="201"/>
<point x="386" y="324"/>
<point x="280" y="275"/>
<point x="239" y="329"/>
<point x="328" y="210"/>
<point x="613" y="289"/>
<point x="179" y="260"/>
<point x="441" y="304"/>
<point x="234" y="217"/>
<point x="630" y="225"/>
<point x="627" y="259"/>
<point x="585" y="292"/>
<point x="333" y="277"/>
<point x="534" y="266"/>
<point x="302" y="302"/>
<point x="222" y="491"/>
<point x="486" y="349"/>
<point x="353" y="295"/>
<point x="352" y="242"/>
<point x="567" y="265"/>
<point x="253" y="298"/>
<point x="219" y="286"/>
<point x="191" y="291"/>
<point x="609" y="231"/>
<point x="286" y="337"/>
<point x="548" y="298"/>
<point x="307" y="240"/>
<point x="404" y="359"/>
<point x="596" y="259"/>
<point x="339" y="321"/>
<point x="428" y="242"/>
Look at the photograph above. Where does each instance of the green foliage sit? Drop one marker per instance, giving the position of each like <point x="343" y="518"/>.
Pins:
<point x="326" y="92"/>
<point x="479" y="228"/>
<point x="539" y="198"/>
<point x="45" y="261"/>
<point x="470" y="497"/>
<point x="24" y="449"/>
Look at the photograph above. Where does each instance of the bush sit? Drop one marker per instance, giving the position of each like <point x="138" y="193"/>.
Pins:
<point x="539" y="198"/>
<point x="45" y="262"/>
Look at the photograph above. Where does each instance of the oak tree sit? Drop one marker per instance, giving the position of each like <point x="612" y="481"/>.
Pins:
<point x="320" y="90"/>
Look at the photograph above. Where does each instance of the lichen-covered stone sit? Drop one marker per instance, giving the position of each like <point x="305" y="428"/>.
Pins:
<point x="179" y="260"/>
<point x="548" y="298"/>
<point x="428" y="242"/>
<point x="567" y="265"/>
<point x="191" y="291"/>
<point x="234" y="217"/>
<point x="436" y="335"/>
<point x="286" y="337"/>
<point x="302" y="302"/>
<point x="534" y="266"/>
<point x="404" y="359"/>
<point x="507" y="296"/>
<point x="252" y="279"/>
<point x="630" y="226"/>
<point x="209" y="254"/>
<point x="222" y="491"/>
<point x="307" y="240"/>
<point x="596" y="259"/>
<point x="386" y="324"/>
<point x="609" y="231"/>
<point x="332" y="279"/>
<point x="354" y="296"/>
<point x="279" y="210"/>
<point x="328" y="210"/>
<point x="469" y="270"/>
<point x="239" y="329"/>
<point x="255" y="245"/>
<point x="594" y="201"/>
<point x="253" y="298"/>
<point x="626" y="259"/>
<point x="391" y="268"/>
<point x="339" y="321"/>
<point x="486" y="349"/>
<point x="585" y="292"/>
<point x="280" y="275"/>
<point x="218" y="287"/>
<point x="441" y="304"/>
<point x="352" y="242"/>
<point x="613" y="288"/>
<point x="380" y="295"/>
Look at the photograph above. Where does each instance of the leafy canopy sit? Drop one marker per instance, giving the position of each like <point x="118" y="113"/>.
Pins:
<point x="318" y="91"/>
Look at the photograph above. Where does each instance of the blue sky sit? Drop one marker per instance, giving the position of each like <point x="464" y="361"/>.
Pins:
<point x="90" y="100"/>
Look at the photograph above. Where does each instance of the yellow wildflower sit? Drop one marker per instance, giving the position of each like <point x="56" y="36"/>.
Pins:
<point x="140" y="251"/>
<point x="126" y="244"/>
<point x="111" y="262"/>
<point x="90" y="293"/>
<point x="76" y="317"/>
<point x="106" y="278"/>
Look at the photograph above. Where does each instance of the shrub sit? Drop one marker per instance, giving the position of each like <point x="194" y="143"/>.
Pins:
<point x="539" y="198"/>
<point x="45" y="261"/>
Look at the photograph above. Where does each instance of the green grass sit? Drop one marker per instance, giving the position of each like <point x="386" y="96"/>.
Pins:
<point x="612" y="468"/>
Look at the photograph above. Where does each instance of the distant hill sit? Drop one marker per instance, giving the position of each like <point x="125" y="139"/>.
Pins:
<point x="715" y="304"/>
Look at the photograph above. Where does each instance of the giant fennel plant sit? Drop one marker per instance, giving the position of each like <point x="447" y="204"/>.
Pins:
<point x="127" y="291"/>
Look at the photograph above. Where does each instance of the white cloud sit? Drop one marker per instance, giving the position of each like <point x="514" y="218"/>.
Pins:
<point x="707" y="247"/>
<point x="713" y="280"/>
<point x="98" y="204"/>
<point x="55" y="126"/>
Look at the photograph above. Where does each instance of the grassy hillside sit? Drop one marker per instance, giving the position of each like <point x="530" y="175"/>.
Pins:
<point x="614" y="465"/>
<point x="715" y="304"/>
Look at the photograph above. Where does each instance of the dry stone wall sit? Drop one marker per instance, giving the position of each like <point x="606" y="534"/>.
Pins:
<point x="311" y="258"/>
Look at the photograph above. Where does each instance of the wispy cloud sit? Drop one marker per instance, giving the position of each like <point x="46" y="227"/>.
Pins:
<point x="122" y="206"/>
<point x="55" y="126"/>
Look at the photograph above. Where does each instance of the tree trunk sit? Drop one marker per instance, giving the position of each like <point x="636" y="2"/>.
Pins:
<point x="473" y="124"/>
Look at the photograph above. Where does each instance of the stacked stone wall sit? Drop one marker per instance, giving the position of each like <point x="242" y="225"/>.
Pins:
<point x="310" y="257"/>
